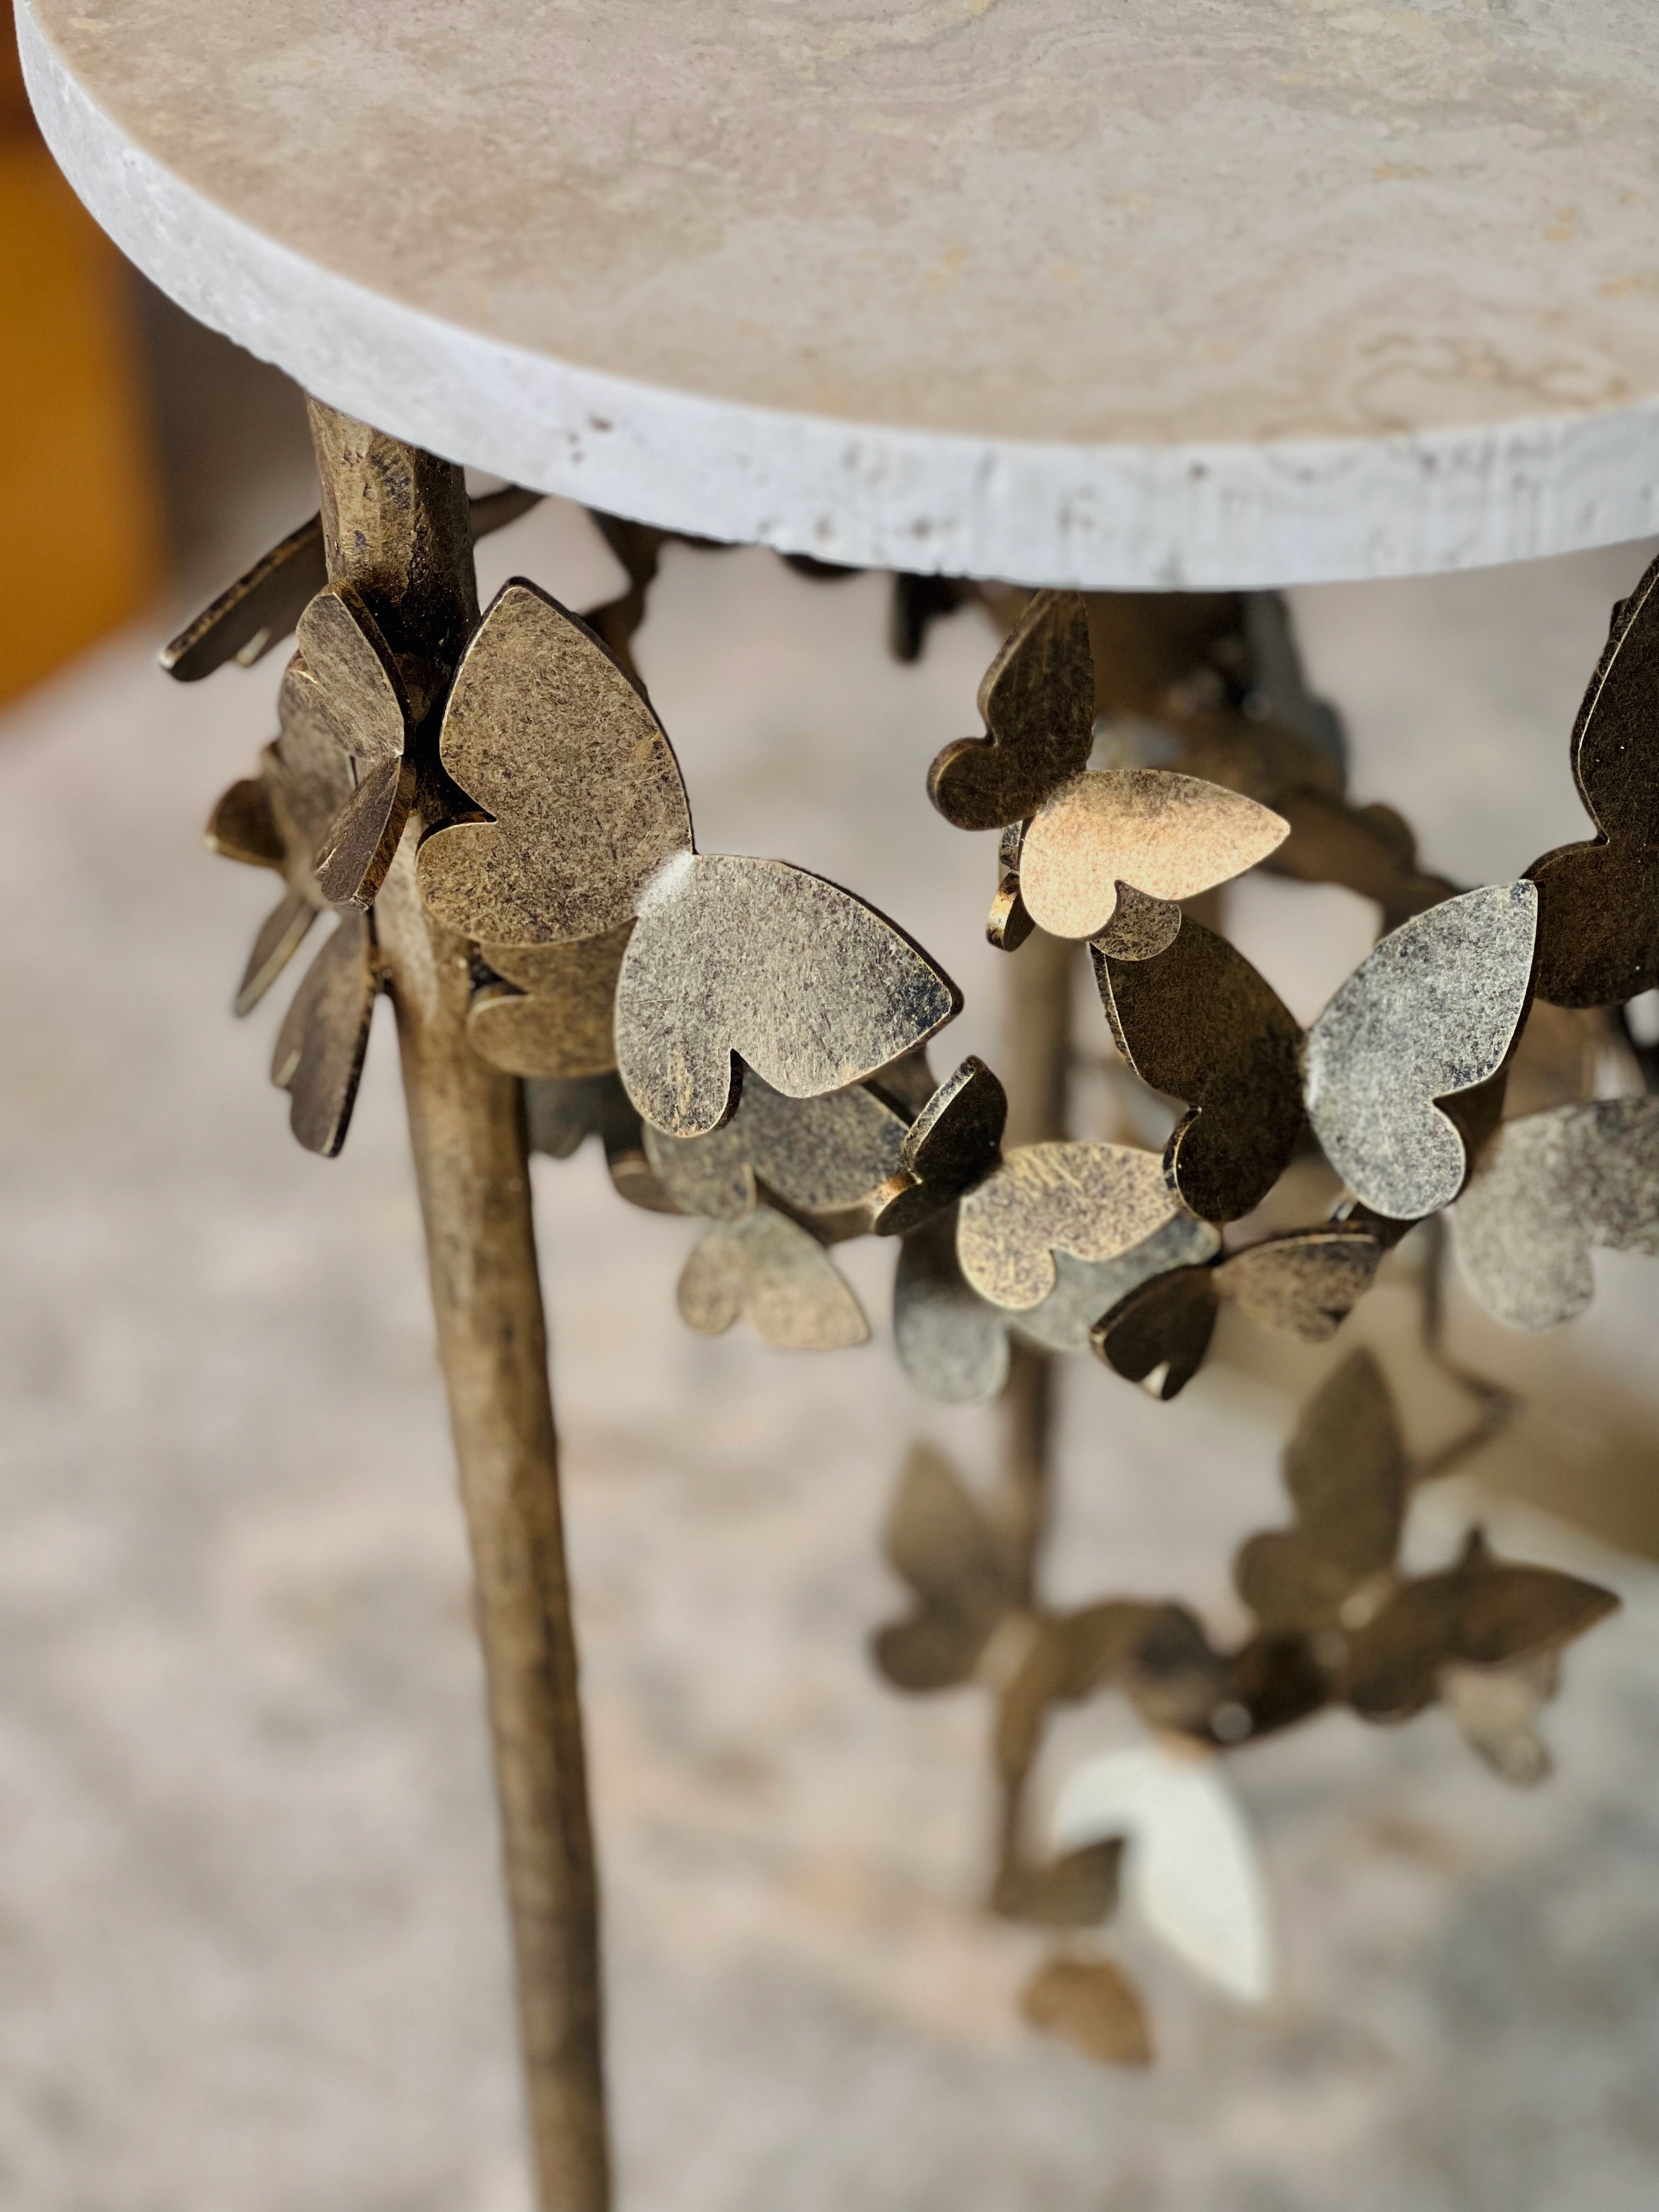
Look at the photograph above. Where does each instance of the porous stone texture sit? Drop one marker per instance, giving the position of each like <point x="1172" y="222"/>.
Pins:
<point x="249" y="1917"/>
<point x="1210" y="291"/>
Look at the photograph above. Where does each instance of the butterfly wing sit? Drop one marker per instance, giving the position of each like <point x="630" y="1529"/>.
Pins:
<point x="279" y="938"/>
<point x="1085" y="1289"/>
<point x="1483" y="1611"/>
<point x="1434" y="1011"/>
<point x="959" y="1568"/>
<point x="810" y="987"/>
<point x="1495" y="1709"/>
<point x="823" y="1153"/>
<point x="544" y="730"/>
<point x="359" y="691"/>
<point x="1093" y="2004"/>
<point x="1598" y="921"/>
<point x="321" y="1045"/>
<point x="1198" y="1023"/>
<point x="770" y="1269"/>
<point x="1547" y="1188"/>
<point x="1190" y="1865"/>
<point x="1038" y="702"/>
<point x="554" y="1011"/>
<point x="1092" y="1200"/>
<point x="951" y="1343"/>
<point x="1306" y="1281"/>
<point x="1345" y="1468"/>
<point x="1168" y="837"/>
<point x="1159" y="1333"/>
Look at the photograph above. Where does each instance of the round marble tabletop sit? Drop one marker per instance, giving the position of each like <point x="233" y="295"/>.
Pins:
<point x="1136" y="293"/>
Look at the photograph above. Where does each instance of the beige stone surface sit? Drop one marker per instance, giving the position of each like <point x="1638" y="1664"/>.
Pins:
<point x="1226" y="290"/>
<point x="252" y="1946"/>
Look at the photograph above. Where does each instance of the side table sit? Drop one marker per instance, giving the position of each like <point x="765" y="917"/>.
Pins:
<point x="1024" y="298"/>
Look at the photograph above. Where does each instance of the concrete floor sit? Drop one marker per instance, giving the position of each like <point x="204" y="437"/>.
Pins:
<point x="251" y="1951"/>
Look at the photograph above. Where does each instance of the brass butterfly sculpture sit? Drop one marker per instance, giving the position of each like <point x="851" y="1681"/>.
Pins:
<point x="1338" y="1622"/>
<point x="747" y="1042"/>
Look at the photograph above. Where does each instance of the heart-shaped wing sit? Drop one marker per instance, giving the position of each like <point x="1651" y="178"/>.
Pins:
<point x="1545" y="1190"/>
<point x="544" y="731"/>
<point x="1495" y="1709"/>
<point x="1168" y="836"/>
<point x="346" y="669"/>
<point x="1038" y="702"/>
<point x="821" y="1155"/>
<point x="1482" y="1612"/>
<point x="1092" y="1200"/>
<point x="951" y="1343"/>
<point x="1198" y="1023"/>
<point x="810" y="987"/>
<point x="1434" y="1011"/>
<point x="1306" y="1281"/>
<point x="320" y="1047"/>
<point x="1159" y="1333"/>
<point x="554" y="1011"/>
<point x="953" y="1142"/>
<point x="310" y="773"/>
<point x="1598" y="919"/>
<point x="1345" y="1468"/>
<point x="1085" y="1289"/>
<point x="1093" y="2004"/>
<point x="771" y="1270"/>
<point x="961" y="1569"/>
<point x="1190" y="1866"/>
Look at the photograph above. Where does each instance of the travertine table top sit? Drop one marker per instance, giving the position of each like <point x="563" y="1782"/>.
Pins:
<point x="1115" y="292"/>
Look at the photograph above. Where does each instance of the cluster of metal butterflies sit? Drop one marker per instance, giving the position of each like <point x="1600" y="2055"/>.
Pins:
<point x="748" y="1043"/>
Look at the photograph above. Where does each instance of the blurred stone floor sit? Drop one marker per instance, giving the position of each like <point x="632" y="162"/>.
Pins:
<point x="251" y="1951"/>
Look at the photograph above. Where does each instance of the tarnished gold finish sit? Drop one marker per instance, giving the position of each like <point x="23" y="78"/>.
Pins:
<point x="395" y="523"/>
<point x="819" y="1156"/>
<point x="1598" y="925"/>
<point x="1421" y="1027"/>
<point x="1482" y="1612"/>
<point x="1008" y="925"/>
<point x="804" y="982"/>
<point x="279" y="938"/>
<point x="1037" y="701"/>
<point x="1547" y="1191"/>
<point x="355" y="686"/>
<point x="561" y="1111"/>
<point x="1384" y="1642"/>
<point x="954" y="1140"/>
<point x="498" y="813"/>
<point x="552" y="1011"/>
<point x="321" y="1045"/>
<point x="585" y="800"/>
<point x="1091" y="1200"/>
<point x="1167" y="836"/>
<point x="771" y="1270"/>
<point x="589" y="827"/>
<point x="1199" y="1024"/>
<point x="262" y="607"/>
<point x="1305" y="1281"/>
<point x="242" y="826"/>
